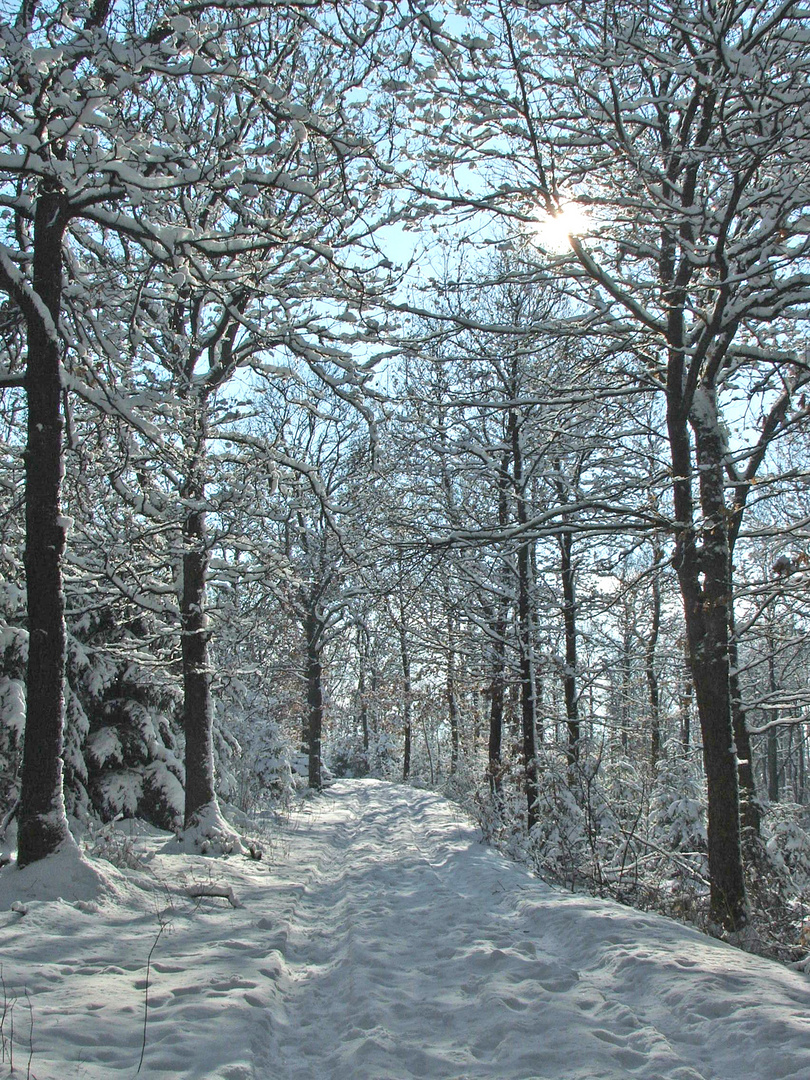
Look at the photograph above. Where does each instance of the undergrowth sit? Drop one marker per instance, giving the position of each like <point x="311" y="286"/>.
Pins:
<point x="621" y="834"/>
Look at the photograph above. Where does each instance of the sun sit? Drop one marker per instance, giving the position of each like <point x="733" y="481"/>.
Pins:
<point x="553" y="232"/>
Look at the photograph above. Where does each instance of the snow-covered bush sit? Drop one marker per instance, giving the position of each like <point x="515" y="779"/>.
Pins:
<point x="588" y="820"/>
<point x="458" y="785"/>
<point x="559" y="842"/>
<point x="678" y="805"/>
<point x="110" y="843"/>
<point x="615" y="800"/>
<point x="130" y="702"/>
<point x="347" y="756"/>
<point x="265" y="774"/>
<point x="384" y="755"/>
<point x="787" y="838"/>
<point x="13" y="655"/>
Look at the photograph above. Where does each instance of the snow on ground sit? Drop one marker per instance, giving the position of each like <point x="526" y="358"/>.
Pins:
<point x="378" y="940"/>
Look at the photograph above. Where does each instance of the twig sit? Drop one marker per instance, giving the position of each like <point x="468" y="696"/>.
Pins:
<point x="163" y="924"/>
<point x="30" y="1035"/>
<point x="3" y="1039"/>
<point x="11" y="1036"/>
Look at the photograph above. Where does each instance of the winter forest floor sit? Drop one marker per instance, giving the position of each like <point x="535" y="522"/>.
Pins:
<point x="376" y="940"/>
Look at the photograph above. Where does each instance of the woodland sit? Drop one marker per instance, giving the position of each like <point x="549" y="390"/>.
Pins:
<point x="414" y="391"/>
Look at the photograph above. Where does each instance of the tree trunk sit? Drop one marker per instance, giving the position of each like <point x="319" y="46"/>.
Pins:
<point x="704" y="579"/>
<point x="773" y="733"/>
<point x="362" y="696"/>
<point x="198" y="712"/>
<point x="426" y="733"/>
<point x="773" y="765"/>
<point x="624" y="711"/>
<point x="686" y="701"/>
<point x="801" y="779"/>
<point x="314" y="632"/>
<point x="498" y="631"/>
<point x="649" y="664"/>
<point x="528" y="709"/>
<point x="42" y="820"/>
<point x="527" y="686"/>
<point x="496" y="694"/>
<point x="750" y="810"/>
<point x="569" y="612"/>
<point x="406" y="699"/>
<point x="452" y="700"/>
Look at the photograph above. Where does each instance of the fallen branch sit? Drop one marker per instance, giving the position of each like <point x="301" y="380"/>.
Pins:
<point x="225" y="891"/>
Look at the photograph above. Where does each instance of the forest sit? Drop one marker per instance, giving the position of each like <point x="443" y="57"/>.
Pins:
<point x="417" y="391"/>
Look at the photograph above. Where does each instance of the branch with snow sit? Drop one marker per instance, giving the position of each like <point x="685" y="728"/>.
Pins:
<point x="224" y="891"/>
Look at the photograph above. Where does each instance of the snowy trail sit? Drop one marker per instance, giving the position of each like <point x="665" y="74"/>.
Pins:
<point x="422" y="954"/>
<point x="383" y="942"/>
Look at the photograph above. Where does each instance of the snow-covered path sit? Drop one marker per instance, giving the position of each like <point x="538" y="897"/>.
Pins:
<point x="383" y="942"/>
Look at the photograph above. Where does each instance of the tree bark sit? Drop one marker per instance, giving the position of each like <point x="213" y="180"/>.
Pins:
<point x="528" y="704"/>
<point x="405" y="657"/>
<point x="362" y="696"/>
<point x="685" y="702"/>
<point x="773" y="733"/>
<point x="626" y="685"/>
<point x="198" y="713"/>
<point x="704" y="579"/>
<point x="498" y="651"/>
<point x="452" y="700"/>
<point x="800" y="777"/>
<point x="314" y="674"/>
<point x="750" y="809"/>
<point x="649" y="663"/>
<point x="569" y="613"/>
<point x="496" y="696"/>
<point x="42" y="821"/>
<point x="528" y="707"/>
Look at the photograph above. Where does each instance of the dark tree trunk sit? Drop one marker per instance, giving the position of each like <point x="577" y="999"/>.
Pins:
<point x="452" y="700"/>
<point x="725" y="859"/>
<point x="773" y="733"/>
<point x="314" y="634"/>
<point x="528" y="705"/>
<point x="498" y="631"/>
<point x="800" y="772"/>
<point x="496" y="694"/>
<point x="198" y="709"/>
<point x="362" y="696"/>
<point x="405" y="657"/>
<point x="750" y="810"/>
<point x="704" y="578"/>
<point x="649" y="665"/>
<point x="569" y="613"/>
<point x="626" y="668"/>
<point x="198" y="713"/>
<point x="476" y="708"/>
<point x="406" y="754"/>
<point x="42" y="821"/>
<point x="773" y="765"/>
<point x="686" y="702"/>
<point x="361" y="693"/>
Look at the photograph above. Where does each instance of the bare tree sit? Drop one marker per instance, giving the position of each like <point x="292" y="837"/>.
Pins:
<point x="681" y="132"/>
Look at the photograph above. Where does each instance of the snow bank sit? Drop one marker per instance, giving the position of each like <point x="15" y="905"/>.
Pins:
<point x="67" y="875"/>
